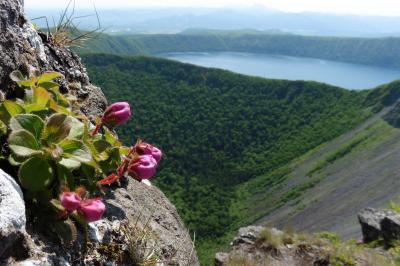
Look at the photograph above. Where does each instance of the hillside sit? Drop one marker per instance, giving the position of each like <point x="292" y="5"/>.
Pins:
<point x="323" y="189"/>
<point x="383" y="52"/>
<point x="229" y="139"/>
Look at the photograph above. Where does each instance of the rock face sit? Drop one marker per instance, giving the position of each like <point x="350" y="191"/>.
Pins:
<point x="139" y="217"/>
<point x="378" y="224"/>
<point x="12" y="215"/>
<point x="150" y="210"/>
<point x="23" y="48"/>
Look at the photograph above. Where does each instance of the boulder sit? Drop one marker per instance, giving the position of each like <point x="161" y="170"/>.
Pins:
<point x="12" y="217"/>
<point x="379" y="224"/>
<point x="247" y="235"/>
<point x="390" y="226"/>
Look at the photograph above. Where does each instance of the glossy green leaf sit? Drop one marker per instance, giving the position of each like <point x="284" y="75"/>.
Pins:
<point x="49" y="76"/>
<point x="13" y="108"/>
<point x="32" y="123"/>
<point x="35" y="174"/>
<point x="57" y="128"/>
<point x="23" y="144"/>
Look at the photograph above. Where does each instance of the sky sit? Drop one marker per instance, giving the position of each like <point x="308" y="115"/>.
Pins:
<point x="358" y="7"/>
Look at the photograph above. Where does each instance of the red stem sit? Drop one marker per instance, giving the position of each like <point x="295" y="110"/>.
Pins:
<point x="96" y="130"/>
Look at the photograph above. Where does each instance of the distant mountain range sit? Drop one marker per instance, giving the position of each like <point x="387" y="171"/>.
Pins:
<point x="173" y="20"/>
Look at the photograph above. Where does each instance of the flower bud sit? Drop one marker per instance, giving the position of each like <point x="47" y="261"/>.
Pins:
<point x="70" y="201"/>
<point x="116" y="114"/>
<point x="147" y="149"/>
<point x="142" y="167"/>
<point x="92" y="209"/>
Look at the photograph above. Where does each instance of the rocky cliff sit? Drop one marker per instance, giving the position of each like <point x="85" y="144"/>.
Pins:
<point x="139" y="222"/>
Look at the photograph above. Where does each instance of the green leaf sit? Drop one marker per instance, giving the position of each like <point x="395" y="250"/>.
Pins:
<point x="49" y="85"/>
<point x="26" y="83"/>
<point x="16" y="76"/>
<point x="49" y="76"/>
<point x="13" y="108"/>
<point x="65" y="177"/>
<point x="15" y="161"/>
<point x="23" y="144"/>
<point x="60" y="99"/>
<point x="70" y="164"/>
<point x="32" y="123"/>
<point x="57" y="128"/>
<point x="3" y="128"/>
<point x="34" y="107"/>
<point x="35" y="174"/>
<point x="101" y="145"/>
<point x="40" y="96"/>
<point x="75" y="149"/>
<point x="110" y="138"/>
<point x="77" y="129"/>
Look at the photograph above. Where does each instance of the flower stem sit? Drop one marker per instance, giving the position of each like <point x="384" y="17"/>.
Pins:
<point x="96" y="130"/>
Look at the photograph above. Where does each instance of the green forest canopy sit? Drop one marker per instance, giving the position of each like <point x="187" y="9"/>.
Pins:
<point x="219" y="129"/>
<point x="384" y="52"/>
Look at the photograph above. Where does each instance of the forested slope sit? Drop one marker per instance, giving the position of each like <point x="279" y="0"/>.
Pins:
<point x="220" y="129"/>
<point x="383" y="52"/>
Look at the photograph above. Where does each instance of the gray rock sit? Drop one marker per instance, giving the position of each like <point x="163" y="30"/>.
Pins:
<point x="247" y="235"/>
<point x="220" y="258"/>
<point x="12" y="215"/>
<point x="147" y="205"/>
<point x="379" y="224"/>
<point x="390" y="226"/>
<point x="370" y="220"/>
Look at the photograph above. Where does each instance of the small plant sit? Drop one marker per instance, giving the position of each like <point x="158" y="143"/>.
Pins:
<point x="65" y="32"/>
<point x="141" y="243"/>
<point x="331" y="237"/>
<point x="62" y="159"/>
<point x="267" y="237"/>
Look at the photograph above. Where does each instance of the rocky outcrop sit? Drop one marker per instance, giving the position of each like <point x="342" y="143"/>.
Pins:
<point x="248" y="248"/>
<point x="139" y="223"/>
<point x="23" y="48"/>
<point x="12" y="216"/>
<point x="379" y="225"/>
<point x="257" y="245"/>
<point x="147" y="206"/>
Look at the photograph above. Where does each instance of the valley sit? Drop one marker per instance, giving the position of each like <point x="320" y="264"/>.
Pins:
<point x="240" y="149"/>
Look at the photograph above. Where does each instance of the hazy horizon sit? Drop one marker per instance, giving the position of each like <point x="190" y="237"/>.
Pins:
<point x="388" y="8"/>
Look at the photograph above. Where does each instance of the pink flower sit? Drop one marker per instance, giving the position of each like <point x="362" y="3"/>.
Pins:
<point x="116" y="114"/>
<point x="92" y="209"/>
<point x="147" y="149"/>
<point x="70" y="201"/>
<point x="143" y="167"/>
